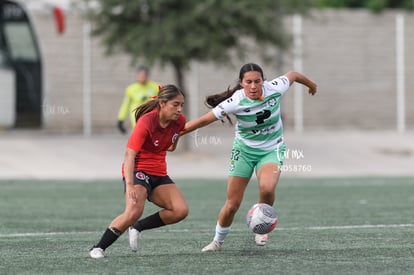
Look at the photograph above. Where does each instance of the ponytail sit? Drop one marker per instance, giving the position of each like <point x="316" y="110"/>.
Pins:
<point x="214" y="100"/>
<point x="145" y="108"/>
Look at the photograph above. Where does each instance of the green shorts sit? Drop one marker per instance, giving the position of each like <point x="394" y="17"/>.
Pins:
<point x="244" y="159"/>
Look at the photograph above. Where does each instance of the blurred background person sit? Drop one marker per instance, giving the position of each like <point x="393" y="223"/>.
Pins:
<point x="135" y="95"/>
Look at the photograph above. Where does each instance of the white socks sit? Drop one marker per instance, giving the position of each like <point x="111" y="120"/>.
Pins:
<point x="221" y="233"/>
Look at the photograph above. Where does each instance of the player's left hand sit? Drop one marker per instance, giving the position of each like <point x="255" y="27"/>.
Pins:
<point x="312" y="90"/>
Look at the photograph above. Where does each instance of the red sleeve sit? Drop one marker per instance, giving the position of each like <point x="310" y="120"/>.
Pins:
<point x="138" y="136"/>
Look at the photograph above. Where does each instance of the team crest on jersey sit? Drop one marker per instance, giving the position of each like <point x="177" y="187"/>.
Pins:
<point x="174" y="138"/>
<point x="272" y="102"/>
<point x="223" y="113"/>
<point x="156" y="143"/>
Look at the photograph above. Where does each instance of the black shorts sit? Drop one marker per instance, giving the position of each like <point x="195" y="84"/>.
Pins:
<point x="150" y="182"/>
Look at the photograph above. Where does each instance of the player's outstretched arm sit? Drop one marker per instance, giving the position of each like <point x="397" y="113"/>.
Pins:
<point x="302" y="79"/>
<point x="202" y="121"/>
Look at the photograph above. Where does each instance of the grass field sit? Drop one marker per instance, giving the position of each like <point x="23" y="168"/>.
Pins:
<point x="326" y="226"/>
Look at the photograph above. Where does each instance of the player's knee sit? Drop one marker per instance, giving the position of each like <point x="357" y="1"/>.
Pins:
<point x="232" y="207"/>
<point x="132" y="216"/>
<point x="180" y="212"/>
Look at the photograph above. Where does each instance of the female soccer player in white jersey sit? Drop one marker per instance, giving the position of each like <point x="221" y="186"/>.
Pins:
<point x="258" y="143"/>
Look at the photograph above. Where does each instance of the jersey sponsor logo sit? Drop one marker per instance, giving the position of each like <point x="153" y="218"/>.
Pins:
<point x="283" y="79"/>
<point x="265" y="131"/>
<point x="156" y="143"/>
<point x="174" y="138"/>
<point x="262" y="115"/>
<point x="246" y="110"/>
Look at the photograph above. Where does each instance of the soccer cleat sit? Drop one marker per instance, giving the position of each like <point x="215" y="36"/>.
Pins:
<point x="213" y="246"/>
<point x="96" y="253"/>
<point x="134" y="237"/>
<point x="261" y="239"/>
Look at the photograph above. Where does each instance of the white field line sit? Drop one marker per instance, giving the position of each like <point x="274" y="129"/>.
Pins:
<point x="344" y="227"/>
<point x="45" y="234"/>
<point x="315" y="228"/>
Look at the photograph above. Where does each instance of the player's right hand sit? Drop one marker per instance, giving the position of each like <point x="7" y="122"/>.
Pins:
<point x="132" y="194"/>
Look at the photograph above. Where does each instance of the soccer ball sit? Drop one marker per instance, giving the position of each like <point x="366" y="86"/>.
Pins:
<point x="261" y="218"/>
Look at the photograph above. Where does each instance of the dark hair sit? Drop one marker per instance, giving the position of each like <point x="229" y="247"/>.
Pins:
<point x="166" y="93"/>
<point x="214" y="100"/>
<point x="142" y="68"/>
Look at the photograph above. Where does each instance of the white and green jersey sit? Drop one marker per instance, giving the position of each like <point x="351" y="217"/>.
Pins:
<point x="259" y="125"/>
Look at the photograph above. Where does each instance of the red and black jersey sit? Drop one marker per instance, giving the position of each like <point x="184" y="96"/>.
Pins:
<point x="151" y="142"/>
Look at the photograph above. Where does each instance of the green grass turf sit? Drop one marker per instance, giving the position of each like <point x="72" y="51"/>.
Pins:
<point x="306" y="241"/>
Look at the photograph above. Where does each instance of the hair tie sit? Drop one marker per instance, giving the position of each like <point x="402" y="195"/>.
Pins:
<point x="154" y="97"/>
<point x="160" y="87"/>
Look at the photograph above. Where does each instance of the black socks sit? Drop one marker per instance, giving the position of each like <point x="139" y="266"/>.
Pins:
<point x="109" y="237"/>
<point x="149" y="222"/>
<point x="112" y="234"/>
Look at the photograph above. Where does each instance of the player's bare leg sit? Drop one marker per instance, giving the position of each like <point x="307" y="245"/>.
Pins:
<point x="268" y="176"/>
<point x="133" y="210"/>
<point x="235" y="191"/>
<point x="174" y="209"/>
<point x="170" y="198"/>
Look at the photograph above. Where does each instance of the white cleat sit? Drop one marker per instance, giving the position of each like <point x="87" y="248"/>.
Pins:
<point x="96" y="253"/>
<point x="261" y="239"/>
<point x="213" y="246"/>
<point x="134" y="237"/>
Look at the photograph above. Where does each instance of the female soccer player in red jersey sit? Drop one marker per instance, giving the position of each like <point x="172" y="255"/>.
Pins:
<point x="144" y="170"/>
